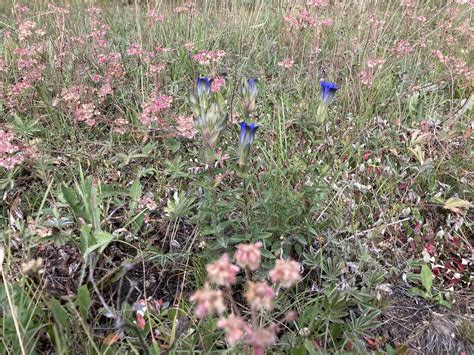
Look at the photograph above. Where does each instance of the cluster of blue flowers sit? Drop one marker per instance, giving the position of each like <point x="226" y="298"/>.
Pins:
<point x="211" y="119"/>
<point x="247" y="130"/>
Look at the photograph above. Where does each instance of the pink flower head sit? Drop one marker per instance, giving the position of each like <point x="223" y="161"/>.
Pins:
<point x="287" y="63"/>
<point x="96" y="78"/>
<point x="222" y="272"/>
<point x="259" y="295"/>
<point x="11" y="154"/>
<point x="317" y="3"/>
<point x="261" y="339"/>
<point x="286" y="272"/>
<point x="216" y="84"/>
<point x="185" y="126"/>
<point x="153" y="110"/>
<point x="326" y="22"/>
<point x="366" y="78"/>
<point x="134" y="49"/>
<point x="235" y="328"/>
<point x="207" y="57"/>
<point x="402" y="48"/>
<point x="154" y="16"/>
<point x="248" y="255"/>
<point x="373" y="63"/>
<point x="208" y="302"/>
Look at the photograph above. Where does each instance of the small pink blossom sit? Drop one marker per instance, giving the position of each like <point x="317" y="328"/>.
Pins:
<point x="154" y="16"/>
<point x="402" y="48"/>
<point x="285" y="272"/>
<point x="147" y="202"/>
<point x="189" y="46"/>
<point x="261" y="339"/>
<point x="305" y="19"/>
<point x="373" y="63"/>
<point x="120" y="126"/>
<point x="152" y="111"/>
<point x="12" y="153"/>
<point x="287" y="63"/>
<point x="316" y="3"/>
<point x="216" y="84"/>
<point x="327" y="22"/>
<point x="366" y="78"/>
<point x="208" y="302"/>
<point x="155" y="69"/>
<point x="96" y="78"/>
<point x="259" y="295"/>
<point x="134" y="49"/>
<point x="222" y="272"/>
<point x="207" y="57"/>
<point x="248" y="255"/>
<point x="86" y="113"/>
<point x="185" y="126"/>
<point x="235" y="328"/>
<point x="421" y="19"/>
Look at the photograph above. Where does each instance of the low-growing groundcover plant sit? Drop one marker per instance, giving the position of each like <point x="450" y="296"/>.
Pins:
<point x="236" y="177"/>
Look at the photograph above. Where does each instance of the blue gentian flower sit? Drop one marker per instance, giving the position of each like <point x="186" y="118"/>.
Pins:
<point x="247" y="136"/>
<point x="253" y="90"/>
<point x="328" y="91"/>
<point x="247" y="133"/>
<point x="203" y="83"/>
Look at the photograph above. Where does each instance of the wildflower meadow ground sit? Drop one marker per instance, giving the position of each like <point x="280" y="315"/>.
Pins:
<point x="236" y="176"/>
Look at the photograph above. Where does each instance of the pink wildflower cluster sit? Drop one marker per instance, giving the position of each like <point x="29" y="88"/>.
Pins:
<point x="99" y="29"/>
<point x="259" y="295"/>
<point x="78" y="102"/>
<point x="30" y="67"/>
<point x="186" y="9"/>
<point x="317" y="3"/>
<point x="366" y="77"/>
<point x="153" y="110"/>
<point x="304" y="19"/>
<point x="216" y="84"/>
<point x="375" y="22"/>
<point x="287" y="63"/>
<point x="185" y="126"/>
<point x="11" y="153"/>
<point x="155" y="16"/>
<point x="207" y="57"/>
<point x="155" y="69"/>
<point x="458" y="66"/>
<point x="120" y="126"/>
<point x="87" y="113"/>
<point x="402" y="48"/>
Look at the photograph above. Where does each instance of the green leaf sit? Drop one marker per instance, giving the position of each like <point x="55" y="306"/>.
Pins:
<point x="102" y="239"/>
<point x="300" y="350"/>
<point x="308" y="345"/>
<point x="135" y="193"/>
<point x="426" y="278"/>
<point x="83" y="301"/>
<point x="59" y="313"/>
<point x="267" y="254"/>
<point x="72" y="200"/>
<point x="262" y="235"/>
<point x="87" y="240"/>
<point x="415" y="291"/>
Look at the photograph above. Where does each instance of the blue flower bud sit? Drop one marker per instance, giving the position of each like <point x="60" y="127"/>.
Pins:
<point x="253" y="89"/>
<point x="247" y="136"/>
<point x="203" y="83"/>
<point x="328" y="92"/>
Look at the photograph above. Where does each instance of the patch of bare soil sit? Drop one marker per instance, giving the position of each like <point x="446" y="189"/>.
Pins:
<point x="62" y="265"/>
<point x="428" y="329"/>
